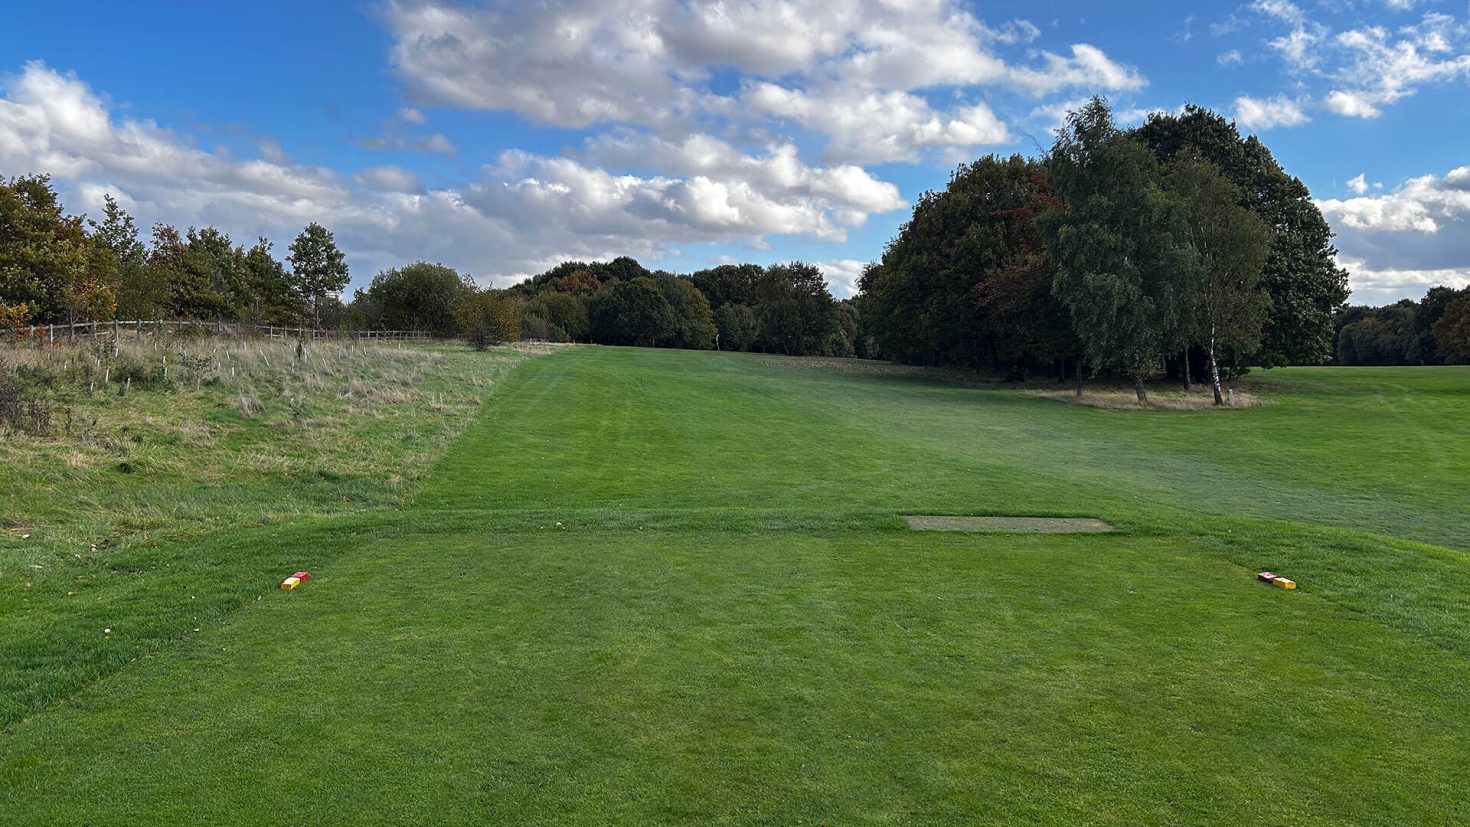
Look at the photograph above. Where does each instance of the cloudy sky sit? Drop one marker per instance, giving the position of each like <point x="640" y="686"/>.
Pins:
<point x="502" y="137"/>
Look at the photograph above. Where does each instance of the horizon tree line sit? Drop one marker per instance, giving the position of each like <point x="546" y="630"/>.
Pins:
<point x="1177" y="247"/>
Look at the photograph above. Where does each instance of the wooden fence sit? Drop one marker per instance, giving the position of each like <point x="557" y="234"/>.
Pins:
<point x="51" y="332"/>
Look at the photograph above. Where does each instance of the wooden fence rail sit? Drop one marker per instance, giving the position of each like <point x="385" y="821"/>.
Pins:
<point x="144" y="327"/>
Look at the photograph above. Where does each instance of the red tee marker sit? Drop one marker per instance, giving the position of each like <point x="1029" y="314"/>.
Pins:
<point x="1265" y="577"/>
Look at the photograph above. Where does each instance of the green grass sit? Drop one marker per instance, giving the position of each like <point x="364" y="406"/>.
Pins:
<point x="653" y="586"/>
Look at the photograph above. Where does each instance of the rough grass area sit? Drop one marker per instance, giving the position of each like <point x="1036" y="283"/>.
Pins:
<point x="164" y="438"/>
<point x="1008" y="525"/>
<point x="654" y="587"/>
<point x="92" y="513"/>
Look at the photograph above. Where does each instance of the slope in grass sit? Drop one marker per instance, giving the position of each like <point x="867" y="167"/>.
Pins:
<point x="655" y="587"/>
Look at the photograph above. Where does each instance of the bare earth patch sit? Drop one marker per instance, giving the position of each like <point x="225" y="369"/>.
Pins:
<point x="1008" y="525"/>
<point x="1123" y="398"/>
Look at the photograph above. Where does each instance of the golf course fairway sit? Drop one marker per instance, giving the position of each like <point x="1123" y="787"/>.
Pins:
<point x="655" y="586"/>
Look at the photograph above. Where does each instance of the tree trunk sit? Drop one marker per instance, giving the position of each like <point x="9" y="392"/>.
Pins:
<point x="1215" y="369"/>
<point x="1185" y="363"/>
<point x="1079" y="377"/>
<point x="1138" y="381"/>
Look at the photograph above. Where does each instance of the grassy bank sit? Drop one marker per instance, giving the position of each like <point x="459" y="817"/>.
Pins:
<point x="156" y="490"/>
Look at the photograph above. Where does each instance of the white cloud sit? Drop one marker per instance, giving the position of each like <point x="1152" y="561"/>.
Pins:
<point x="1380" y="69"/>
<point x="390" y="179"/>
<point x="1401" y="242"/>
<point x="1352" y="104"/>
<point x="842" y="275"/>
<point x="1256" y="113"/>
<point x="846" y="188"/>
<point x="869" y="126"/>
<point x="519" y="216"/>
<point x="1388" y="285"/>
<point x="1358" y="184"/>
<point x="1421" y="205"/>
<point x="648" y="63"/>
<point x="434" y="144"/>
<point x="1367" y="68"/>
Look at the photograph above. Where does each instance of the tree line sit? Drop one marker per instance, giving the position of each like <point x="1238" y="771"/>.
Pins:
<point x="781" y="308"/>
<point x="61" y="268"/>
<point x="1176" y="248"/>
<point x="1173" y="248"/>
<point x="1432" y="331"/>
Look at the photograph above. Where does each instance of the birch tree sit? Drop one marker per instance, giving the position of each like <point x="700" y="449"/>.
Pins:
<point x="1125" y="269"/>
<point x="1231" y="244"/>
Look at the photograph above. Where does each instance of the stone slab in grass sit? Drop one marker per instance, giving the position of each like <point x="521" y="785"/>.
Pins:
<point x="1008" y="525"/>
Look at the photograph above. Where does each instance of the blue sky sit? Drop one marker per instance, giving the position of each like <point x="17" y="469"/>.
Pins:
<point x="501" y="138"/>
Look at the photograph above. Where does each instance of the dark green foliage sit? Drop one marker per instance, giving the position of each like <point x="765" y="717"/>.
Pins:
<point x="694" y="323"/>
<point x="43" y="253"/>
<point x="1306" y="286"/>
<point x="1452" y="331"/>
<point x="967" y="282"/>
<point x="213" y="280"/>
<point x="272" y="298"/>
<point x="794" y="310"/>
<point x="555" y="316"/>
<point x="418" y="296"/>
<point x="1126" y="271"/>
<point x="630" y="313"/>
<point x="139" y="294"/>
<point x="728" y="284"/>
<point x="921" y="297"/>
<point x="1403" y="333"/>
<point x="737" y="327"/>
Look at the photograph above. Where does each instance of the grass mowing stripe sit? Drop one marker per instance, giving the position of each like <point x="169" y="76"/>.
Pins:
<point x="637" y="676"/>
<point x="730" y="623"/>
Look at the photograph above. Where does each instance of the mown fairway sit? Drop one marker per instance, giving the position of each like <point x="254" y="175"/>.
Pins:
<point x="657" y="586"/>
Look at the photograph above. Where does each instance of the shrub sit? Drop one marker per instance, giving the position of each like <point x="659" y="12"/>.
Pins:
<point x="20" y="409"/>
<point x="488" y="318"/>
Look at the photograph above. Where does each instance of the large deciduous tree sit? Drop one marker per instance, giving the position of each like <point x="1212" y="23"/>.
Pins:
<point x="1126" y="271"/>
<point x="967" y="281"/>
<point x="1232" y="244"/>
<point x="631" y="312"/>
<point x="1301" y="275"/>
<point x="796" y="312"/>
<point x="418" y="296"/>
<point x="318" y="268"/>
<point x="694" y="322"/>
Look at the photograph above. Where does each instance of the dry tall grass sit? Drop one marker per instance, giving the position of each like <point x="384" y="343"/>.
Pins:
<point x="165" y="436"/>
